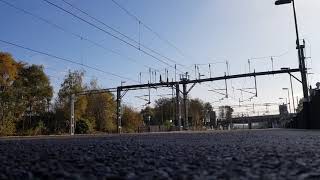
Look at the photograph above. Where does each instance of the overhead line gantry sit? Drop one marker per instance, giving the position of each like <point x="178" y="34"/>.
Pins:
<point x="184" y="82"/>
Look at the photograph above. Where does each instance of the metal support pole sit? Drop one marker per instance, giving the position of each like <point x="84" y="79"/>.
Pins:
<point x="304" y="75"/>
<point x="289" y="101"/>
<point x="149" y="97"/>
<point x="119" y="109"/>
<point x="225" y="81"/>
<point x="178" y="111"/>
<point x="172" y="106"/>
<point x="195" y="71"/>
<point x="185" y="106"/>
<point x="293" y="104"/>
<point x="305" y="123"/>
<point x="175" y="73"/>
<point x="199" y="75"/>
<point x="228" y="71"/>
<point x="255" y="85"/>
<point x="150" y="75"/>
<point x="303" y="71"/>
<point x="72" y="120"/>
<point x="271" y="63"/>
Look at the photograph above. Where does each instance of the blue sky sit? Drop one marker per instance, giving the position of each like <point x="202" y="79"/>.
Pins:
<point x="206" y="31"/>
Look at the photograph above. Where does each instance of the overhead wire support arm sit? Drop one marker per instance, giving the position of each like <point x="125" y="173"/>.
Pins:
<point x="96" y="91"/>
<point x="192" y="86"/>
<point x="295" y="77"/>
<point x="124" y="93"/>
<point x="263" y="73"/>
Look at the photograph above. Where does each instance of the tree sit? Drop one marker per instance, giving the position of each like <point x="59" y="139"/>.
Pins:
<point x="208" y="111"/>
<point x="8" y="73"/>
<point x="229" y="111"/>
<point x="72" y="84"/>
<point x="35" y="91"/>
<point x="148" y="115"/>
<point x="225" y="112"/>
<point x="163" y="111"/>
<point x="24" y="91"/>
<point x="196" y="112"/>
<point x="208" y="107"/>
<point x="300" y="105"/>
<point x="8" y="70"/>
<point x="131" y="119"/>
<point x="102" y="108"/>
<point x="222" y="112"/>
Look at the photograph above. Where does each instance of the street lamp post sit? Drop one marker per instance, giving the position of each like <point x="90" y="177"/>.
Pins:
<point x="302" y="67"/>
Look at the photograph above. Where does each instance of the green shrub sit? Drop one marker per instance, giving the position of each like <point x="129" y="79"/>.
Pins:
<point x="7" y="128"/>
<point x="167" y="124"/>
<point x="40" y="128"/>
<point x="83" y="126"/>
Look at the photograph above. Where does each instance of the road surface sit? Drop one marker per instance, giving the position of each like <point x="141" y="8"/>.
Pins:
<point x="255" y="154"/>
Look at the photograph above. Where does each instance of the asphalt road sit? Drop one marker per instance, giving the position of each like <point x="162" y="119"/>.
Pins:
<point x="256" y="154"/>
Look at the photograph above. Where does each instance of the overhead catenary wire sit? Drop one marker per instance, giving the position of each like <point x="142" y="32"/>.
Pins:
<point x="149" y="28"/>
<point x="99" y="21"/>
<point x="266" y="57"/>
<point x="153" y="31"/>
<point x="57" y="78"/>
<point x="66" y="60"/>
<point x="80" y="63"/>
<point x="131" y="39"/>
<point x="75" y="34"/>
<point x="113" y="35"/>
<point x="127" y="37"/>
<point x="272" y="58"/>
